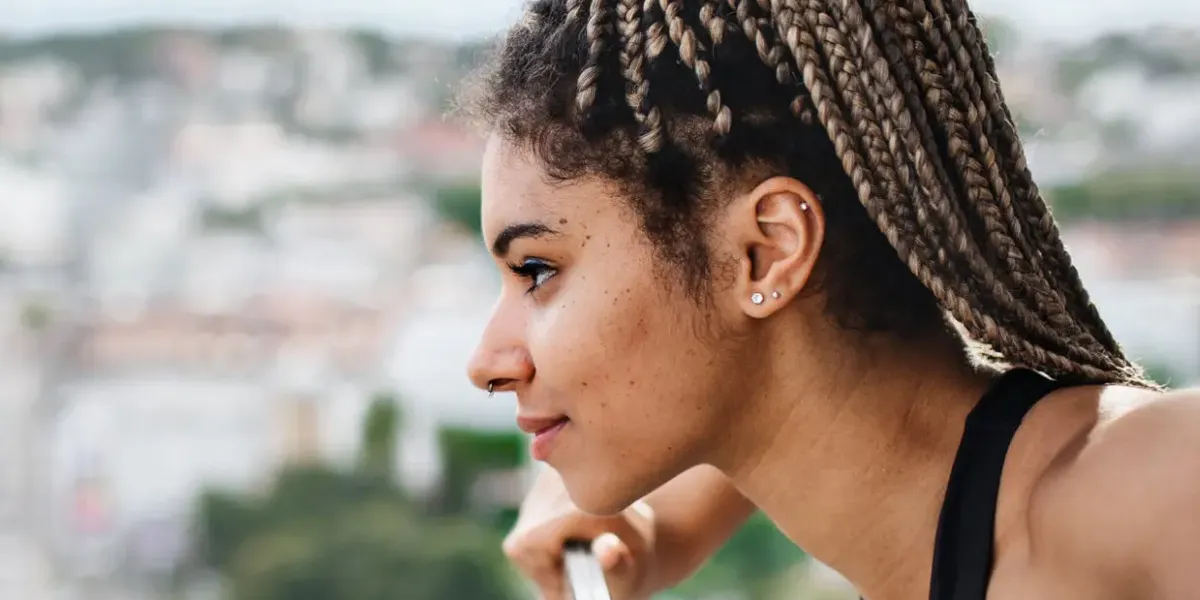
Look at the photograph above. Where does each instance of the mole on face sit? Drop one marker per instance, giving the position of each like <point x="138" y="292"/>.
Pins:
<point x="575" y="79"/>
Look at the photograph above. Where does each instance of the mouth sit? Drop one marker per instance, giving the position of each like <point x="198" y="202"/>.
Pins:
<point x="540" y="425"/>
<point x="545" y="431"/>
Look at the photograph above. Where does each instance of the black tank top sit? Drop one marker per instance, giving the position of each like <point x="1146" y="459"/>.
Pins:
<point x="962" y="551"/>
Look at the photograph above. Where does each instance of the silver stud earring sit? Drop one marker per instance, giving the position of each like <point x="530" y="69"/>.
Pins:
<point x="776" y="295"/>
<point x="756" y="298"/>
<point x="803" y="206"/>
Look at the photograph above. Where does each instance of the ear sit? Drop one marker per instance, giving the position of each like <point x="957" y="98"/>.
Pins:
<point x="777" y="230"/>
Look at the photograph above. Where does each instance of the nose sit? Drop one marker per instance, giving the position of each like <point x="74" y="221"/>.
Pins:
<point x="501" y="359"/>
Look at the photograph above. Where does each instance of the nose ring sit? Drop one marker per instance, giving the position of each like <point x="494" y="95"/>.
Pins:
<point x="491" y="389"/>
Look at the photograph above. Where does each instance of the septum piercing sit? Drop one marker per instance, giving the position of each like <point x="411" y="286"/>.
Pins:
<point x="491" y="389"/>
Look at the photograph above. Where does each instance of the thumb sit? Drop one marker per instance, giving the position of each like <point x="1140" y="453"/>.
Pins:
<point x="610" y="551"/>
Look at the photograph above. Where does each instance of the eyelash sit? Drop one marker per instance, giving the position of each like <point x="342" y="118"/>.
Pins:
<point x="535" y="271"/>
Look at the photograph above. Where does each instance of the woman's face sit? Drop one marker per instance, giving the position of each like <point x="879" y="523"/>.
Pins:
<point x="624" y="375"/>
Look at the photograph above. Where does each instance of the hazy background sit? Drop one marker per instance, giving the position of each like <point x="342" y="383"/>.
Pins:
<point x="240" y="276"/>
<point x="1069" y="19"/>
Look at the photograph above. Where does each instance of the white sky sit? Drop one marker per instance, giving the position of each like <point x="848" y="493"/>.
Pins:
<point x="463" y="18"/>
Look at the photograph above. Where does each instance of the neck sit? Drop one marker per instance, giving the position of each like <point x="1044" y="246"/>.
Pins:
<point x="850" y="460"/>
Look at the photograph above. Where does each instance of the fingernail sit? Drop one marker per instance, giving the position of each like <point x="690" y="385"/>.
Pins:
<point x="607" y="548"/>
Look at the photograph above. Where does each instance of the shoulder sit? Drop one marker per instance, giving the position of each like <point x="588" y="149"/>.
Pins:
<point x="1123" y="500"/>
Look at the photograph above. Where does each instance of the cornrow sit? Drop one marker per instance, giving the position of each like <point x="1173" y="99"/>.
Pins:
<point x="888" y="109"/>
<point x="654" y="130"/>
<point x="980" y="122"/>
<point x="1037" y="216"/>
<point x="921" y="255"/>
<point x="1067" y="335"/>
<point x="574" y="9"/>
<point x="714" y="23"/>
<point x="637" y="88"/>
<point x="597" y="30"/>
<point x="917" y="138"/>
<point x="693" y="54"/>
<point x="753" y="15"/>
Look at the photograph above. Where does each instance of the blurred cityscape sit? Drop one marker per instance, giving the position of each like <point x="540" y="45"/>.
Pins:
<point x="240" y="276"/>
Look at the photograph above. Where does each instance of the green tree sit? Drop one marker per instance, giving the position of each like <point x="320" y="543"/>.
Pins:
<point x="1001" y="34"/>
<point x="247" y="219"/>
<point x="325" y="534"/>
<point x="1151" y="193"/>
<point x="468" y="454"/>
<point x="459" y="204"/>
<point x="379" y="435"/>
<point x="749" y="564"/>
<point x="1162" y="373"/>
<point x="35" y="316"/>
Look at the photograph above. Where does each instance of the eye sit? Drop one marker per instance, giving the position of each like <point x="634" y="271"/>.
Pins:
<point x="536" y="271"/>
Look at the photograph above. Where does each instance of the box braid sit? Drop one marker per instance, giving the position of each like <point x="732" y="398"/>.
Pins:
<point x="889" y="109"/>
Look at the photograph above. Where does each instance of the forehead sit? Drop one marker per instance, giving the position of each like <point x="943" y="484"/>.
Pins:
<point x="516" y="188"/>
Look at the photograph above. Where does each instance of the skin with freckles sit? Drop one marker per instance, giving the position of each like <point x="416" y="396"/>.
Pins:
<point x="843" y="438"/>
<point x="655" y="167"/>
<point x="587" y="329"/>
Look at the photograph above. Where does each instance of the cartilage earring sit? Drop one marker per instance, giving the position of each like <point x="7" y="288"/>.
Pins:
<point x="776" y="295"/>
<point x="803" y="206"/>
<point x="756" y="298"/>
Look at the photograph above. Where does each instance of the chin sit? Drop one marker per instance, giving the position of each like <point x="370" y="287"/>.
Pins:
<point x="599" y="495"/>
<point x="609" y="489"/>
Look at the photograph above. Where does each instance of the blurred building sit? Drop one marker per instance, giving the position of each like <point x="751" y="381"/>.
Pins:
<point x="216" y="249"/>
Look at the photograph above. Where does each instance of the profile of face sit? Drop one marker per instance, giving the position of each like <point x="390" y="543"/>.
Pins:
<point x="624" y="379"/>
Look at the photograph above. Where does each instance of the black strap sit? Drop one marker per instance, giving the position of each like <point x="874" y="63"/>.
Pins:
<point x="962" y="552"/>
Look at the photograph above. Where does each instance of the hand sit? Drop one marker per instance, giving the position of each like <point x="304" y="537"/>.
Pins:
<point x="623" y="543"/>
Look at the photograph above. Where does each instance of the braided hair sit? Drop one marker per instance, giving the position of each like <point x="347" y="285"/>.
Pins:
<point x="888" y="109"/>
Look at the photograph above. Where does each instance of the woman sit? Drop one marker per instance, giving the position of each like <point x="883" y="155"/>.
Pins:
<point x="787" y="255"/>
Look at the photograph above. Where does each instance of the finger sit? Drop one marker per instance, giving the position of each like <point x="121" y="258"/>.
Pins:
<point x="547" y="579"/>
<point x="551" y="594"/>
<point x="546" y="573"/>
<point x="623" y="573"/>
<point x="610" y="551"/>
<point x="540" y="566"/>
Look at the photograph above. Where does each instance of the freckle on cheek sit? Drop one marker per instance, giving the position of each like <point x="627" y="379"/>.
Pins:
<point x="562" y="221"/>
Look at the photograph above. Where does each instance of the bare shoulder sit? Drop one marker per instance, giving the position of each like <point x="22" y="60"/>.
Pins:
<point x="1123" y="500"/>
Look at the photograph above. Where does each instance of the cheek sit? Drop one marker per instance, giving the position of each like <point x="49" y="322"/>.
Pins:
<point x="584" y="341"/>
<point x="624" y="356"/>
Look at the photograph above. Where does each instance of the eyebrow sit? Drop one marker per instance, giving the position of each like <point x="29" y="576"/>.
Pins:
<point x="517" y="231"/>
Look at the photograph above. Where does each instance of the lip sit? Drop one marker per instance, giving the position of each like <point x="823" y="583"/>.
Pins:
<point x="545" y="431"/>
<point x="538" y="425"/>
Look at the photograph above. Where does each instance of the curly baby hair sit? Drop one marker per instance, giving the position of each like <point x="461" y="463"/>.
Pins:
<point x="889" y="110"/>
